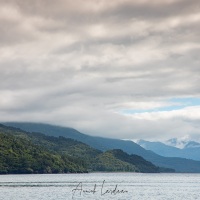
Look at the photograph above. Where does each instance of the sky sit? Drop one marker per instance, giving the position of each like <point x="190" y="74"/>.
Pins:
<point x="120" y="69"/>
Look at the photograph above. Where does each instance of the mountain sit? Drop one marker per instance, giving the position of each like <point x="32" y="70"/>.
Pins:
<point x="190" y="151"/>
<point x="192" y="144"/>
<point x="104" y="144"/>
<point x="174" y="142"/>
<point x="182" y="143"/>
<point x="160" y="148"/>
<point x="100" y="143"/>
<point x="124" y="162"/>
<point x="24" y="152"/>
<point x="21" y="156"/>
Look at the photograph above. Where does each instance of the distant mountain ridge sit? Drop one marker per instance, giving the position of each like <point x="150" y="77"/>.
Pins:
<point x="182" y="143"/>
<point x="190" y="150"/>
<point x="104" y="144"/>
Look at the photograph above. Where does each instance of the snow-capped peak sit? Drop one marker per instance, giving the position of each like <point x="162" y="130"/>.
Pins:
<point x="182" y="143"/>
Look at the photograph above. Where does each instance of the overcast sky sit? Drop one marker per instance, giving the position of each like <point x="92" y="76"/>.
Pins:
<point x="120" y="68"/>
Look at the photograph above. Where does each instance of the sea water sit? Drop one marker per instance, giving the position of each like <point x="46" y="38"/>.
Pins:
<point x="97" y="186"/>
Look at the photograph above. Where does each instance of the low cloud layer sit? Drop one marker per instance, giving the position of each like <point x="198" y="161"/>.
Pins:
<point x="89" y="64"/>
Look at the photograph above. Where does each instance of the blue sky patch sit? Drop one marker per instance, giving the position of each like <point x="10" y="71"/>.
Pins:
<point x="179" y="103"/>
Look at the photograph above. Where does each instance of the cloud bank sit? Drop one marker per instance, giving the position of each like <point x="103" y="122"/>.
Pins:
<point x="104" y="68"/>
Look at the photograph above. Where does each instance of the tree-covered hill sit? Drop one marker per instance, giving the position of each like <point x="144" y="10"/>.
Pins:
<point x="19" y="156"/>
<point x="118" y="160"/>
<point x="104" y="144"/>
<point x="24" y="152"/>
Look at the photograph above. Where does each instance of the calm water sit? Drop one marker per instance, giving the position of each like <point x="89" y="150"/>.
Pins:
<point x="98" y="186"/>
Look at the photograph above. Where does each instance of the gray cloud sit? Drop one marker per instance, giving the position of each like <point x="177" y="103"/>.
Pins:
<point x="81" y="64"/>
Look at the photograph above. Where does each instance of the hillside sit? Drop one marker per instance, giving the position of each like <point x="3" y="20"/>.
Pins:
<point x="24" y="152"/>
<point x="190" y="151"/>
<point x="20" y="156"/>
<point x="104" y="144"/>
<point x="124" y="162"/>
